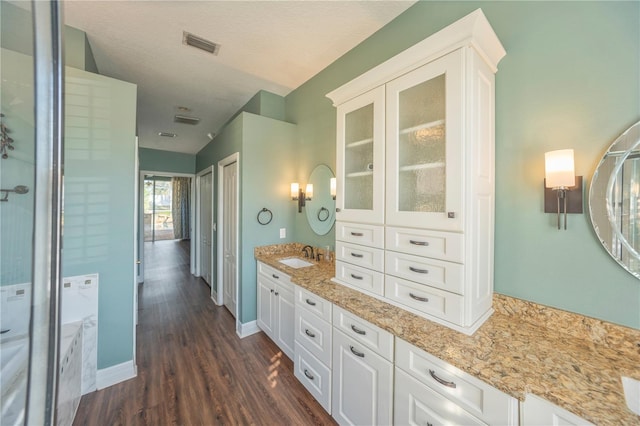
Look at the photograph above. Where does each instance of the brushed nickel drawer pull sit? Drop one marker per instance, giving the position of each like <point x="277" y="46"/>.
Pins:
<point x="356" y="353"/>
<point x="308" y="333"/>
<point x="356" y="277"/>
<point x="418" y="298"/>
<point x="357" y="330"/>
<point x="357" y="234"/>
<point x="442" y="381"/>
<point x="358" y="255"/>
<point x="275" y="276"/>
<point x="419" y="271"/>
<point x="311" y="302"/>
<point x="309" y="376"/>
<point x="419" y="243"/>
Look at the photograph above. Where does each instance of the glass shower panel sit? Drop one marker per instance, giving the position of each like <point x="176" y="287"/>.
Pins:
<point x="358" y="167"/>
<point x="422" y="147"/>
<point x="17" y="133"/>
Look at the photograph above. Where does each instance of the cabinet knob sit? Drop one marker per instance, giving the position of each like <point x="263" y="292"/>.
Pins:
<point x="277" y="293"/>
<point x="451" y="215"/>
<point x="271" y="290"/>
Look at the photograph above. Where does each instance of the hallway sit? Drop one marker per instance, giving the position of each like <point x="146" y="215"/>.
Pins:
<point x="192" y="367"/>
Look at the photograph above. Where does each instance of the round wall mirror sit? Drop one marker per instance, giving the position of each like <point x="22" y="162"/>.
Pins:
<point x="321" y="209"/>
<point x="614" y="200"/>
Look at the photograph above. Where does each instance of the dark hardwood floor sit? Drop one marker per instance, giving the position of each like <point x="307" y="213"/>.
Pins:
<point x="192" y="367"/>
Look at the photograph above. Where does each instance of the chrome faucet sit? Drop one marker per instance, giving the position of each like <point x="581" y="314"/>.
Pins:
<point x="308" y="253"/>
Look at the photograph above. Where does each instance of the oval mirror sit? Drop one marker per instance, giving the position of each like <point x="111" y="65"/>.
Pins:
<point x="321" y="209"/>
<point x="614" y="200"/>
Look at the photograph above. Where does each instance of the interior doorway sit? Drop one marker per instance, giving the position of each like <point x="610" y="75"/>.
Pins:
<point x="166" y="206"/>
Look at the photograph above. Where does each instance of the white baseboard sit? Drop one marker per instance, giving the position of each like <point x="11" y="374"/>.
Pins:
<point x="214" y="297"/>
<point x="247" y="329"/>
<point x="115" y="374"/>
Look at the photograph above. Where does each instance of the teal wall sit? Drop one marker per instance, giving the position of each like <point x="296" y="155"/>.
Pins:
<point x="266" y="170"/>
<point x="98" y="212"/>
<point x="263" y="103"/>
<point x="569" y="80"/>
<point x="156" y="160"/>
<point x="78" y="53"/>
<point x="16" y="214"/>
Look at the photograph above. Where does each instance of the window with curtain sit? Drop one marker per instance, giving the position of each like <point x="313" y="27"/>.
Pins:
<point x="180" y="207"/>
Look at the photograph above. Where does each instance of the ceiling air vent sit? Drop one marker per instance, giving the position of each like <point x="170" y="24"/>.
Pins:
<point x="167" y="134"/>
<point x="185" y="119"/>
<point x="200" y="43"/>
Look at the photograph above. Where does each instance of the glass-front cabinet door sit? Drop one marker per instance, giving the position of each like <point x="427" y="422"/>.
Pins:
<point x="424" y="146"/>
<point x="360" y="159"/>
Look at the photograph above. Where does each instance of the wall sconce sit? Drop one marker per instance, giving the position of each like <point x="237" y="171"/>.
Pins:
<point x="563" y="189"/>
<point x="332" y="187"/>
<point x="298" y="195"/>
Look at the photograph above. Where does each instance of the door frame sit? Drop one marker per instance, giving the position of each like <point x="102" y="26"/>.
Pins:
<point x="192" y="217"/>
<point x="196" y="270"/>
<point x="233" y="158"/>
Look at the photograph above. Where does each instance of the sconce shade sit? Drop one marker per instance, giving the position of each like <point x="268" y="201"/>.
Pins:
<point x="295" y="188"/>
<point x="559" y="169"/>
<point x="332" y="186"/>
<point x="309" y="191"/>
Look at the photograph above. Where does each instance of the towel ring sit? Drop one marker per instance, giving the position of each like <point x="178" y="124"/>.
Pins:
<point x="264" y="209"/>
<point x="320" y="215"/>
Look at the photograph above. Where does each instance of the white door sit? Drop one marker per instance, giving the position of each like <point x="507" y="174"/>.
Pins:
<point x="229" y="236"/>
<point x="206" y="184"/>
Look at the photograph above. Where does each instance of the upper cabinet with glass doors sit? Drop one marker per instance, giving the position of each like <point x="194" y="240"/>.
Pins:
<point x="424" y="145"/>
<point x="415" y="161"/>
<point x="360" y="159"/>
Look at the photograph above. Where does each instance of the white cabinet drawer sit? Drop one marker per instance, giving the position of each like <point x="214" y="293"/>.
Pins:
<point x="538" y="411"/>
<point x="314" y="375"/>
<point x="477" y="397"/>
<point x="366" y="235"/>
<point x="435" y="273"/>
<point x="314" y="334"/>
<point x="314" y="303"/>
<point x="367" y="257"/>
<point x="421" y="242"/>
<point x="381" y="341"/>
<point x="416" y="404"/>
<point x="362" y="381"/>
<point x="357" y="276"/>
<point x="275" y="275"/>
<point x="432" y="301"/>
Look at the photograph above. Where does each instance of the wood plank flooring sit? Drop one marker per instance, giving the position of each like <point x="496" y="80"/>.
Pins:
<point x="192" y="367"/>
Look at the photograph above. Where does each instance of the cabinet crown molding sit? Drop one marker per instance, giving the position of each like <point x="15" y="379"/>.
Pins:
<point x="473" y="30"/>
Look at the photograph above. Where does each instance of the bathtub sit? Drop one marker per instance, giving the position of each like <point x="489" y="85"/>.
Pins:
<point x="14" y="359"/>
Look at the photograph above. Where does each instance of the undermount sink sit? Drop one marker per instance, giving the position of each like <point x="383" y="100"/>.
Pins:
<point x="632" y="393"/>
<point x="296" y="262"/>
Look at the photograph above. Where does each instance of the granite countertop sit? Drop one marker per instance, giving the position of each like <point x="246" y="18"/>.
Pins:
<point x="514" y="350"/>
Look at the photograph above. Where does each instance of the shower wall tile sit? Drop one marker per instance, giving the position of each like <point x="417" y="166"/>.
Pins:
<point x="80" y="303"/>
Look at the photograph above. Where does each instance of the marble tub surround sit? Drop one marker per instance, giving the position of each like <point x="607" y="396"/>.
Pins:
<point x="80" y="303"/>
<point x="70" y="372"/>
<point x="520" y="349"/>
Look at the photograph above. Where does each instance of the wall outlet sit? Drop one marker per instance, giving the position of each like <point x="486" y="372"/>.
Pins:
<point x="283" y="232"/>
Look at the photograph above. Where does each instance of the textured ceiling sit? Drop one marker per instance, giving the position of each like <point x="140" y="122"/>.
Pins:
<point x="274" y="46"/>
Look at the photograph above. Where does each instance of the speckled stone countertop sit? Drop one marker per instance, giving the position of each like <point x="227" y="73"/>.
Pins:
<point x="519" y="349"/>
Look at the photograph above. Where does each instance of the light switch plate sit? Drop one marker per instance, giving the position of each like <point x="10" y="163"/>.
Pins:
<point x="283" y="232"/>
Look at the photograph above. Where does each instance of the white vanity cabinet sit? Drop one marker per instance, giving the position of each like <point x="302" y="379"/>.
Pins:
<point x="276" y="307"/>
<point x="431" y="391"/>
<point x="313" y="345"/>
<point x="437" y="177"/>
<point x="537" y="411"/>
<point x="362" y="373"/>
